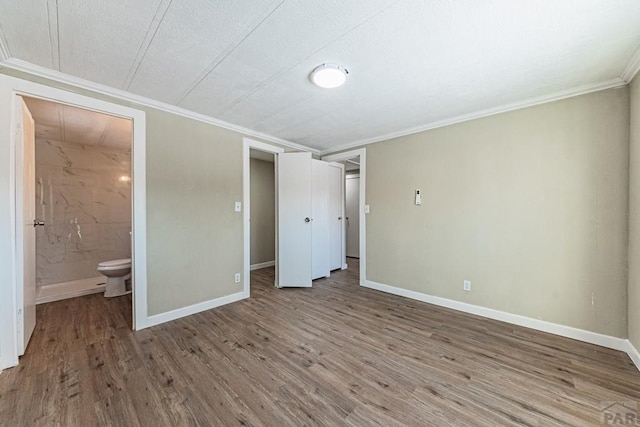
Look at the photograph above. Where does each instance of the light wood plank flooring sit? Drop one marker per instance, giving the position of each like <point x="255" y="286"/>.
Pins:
<point x="335" y="354"/>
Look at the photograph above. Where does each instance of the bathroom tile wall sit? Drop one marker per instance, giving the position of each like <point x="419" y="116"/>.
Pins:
<point x="83" y="193"/>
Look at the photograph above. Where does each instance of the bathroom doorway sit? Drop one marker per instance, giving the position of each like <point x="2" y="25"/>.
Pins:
<point x="83" y="203"/>
<point x="16" y="296"/>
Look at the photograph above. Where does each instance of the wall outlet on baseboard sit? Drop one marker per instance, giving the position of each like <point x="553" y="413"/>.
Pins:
<point x="466" y="285"/>
<point x="236" y="278"/>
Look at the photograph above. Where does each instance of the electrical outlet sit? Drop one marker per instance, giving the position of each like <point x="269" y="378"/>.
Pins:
<point x="466" y="285"/>
<point x="237" y="278"/>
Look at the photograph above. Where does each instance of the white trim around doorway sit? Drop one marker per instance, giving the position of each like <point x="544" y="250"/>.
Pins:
<point x="339" y="157"/>
<point x="10" y="87"/>
<point x="248" y="145"/>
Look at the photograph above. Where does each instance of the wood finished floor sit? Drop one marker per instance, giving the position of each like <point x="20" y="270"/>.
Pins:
<point x="336" y="354"/>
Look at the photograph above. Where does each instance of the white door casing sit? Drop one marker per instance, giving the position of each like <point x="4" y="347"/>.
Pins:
<point x="248" y="145"/>
<point x="352" y="185"/>
<point x="361" y="155"/>
<point x="294" y="220"/>
<point x="26" y="232"/>
<point x="320" y="219"/>
<point x="10" y="223"/>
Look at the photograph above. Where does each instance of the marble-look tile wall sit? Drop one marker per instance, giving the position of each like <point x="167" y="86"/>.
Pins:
<point x="83" y="193"/>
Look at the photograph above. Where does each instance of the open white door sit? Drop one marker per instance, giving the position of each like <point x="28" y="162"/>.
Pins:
<point x="294" y="220"/>
<point x="26" y="233"/>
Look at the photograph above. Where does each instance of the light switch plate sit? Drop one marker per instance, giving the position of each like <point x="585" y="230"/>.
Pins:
<point x="238" y="207"/>
<point x="367" y="209"/>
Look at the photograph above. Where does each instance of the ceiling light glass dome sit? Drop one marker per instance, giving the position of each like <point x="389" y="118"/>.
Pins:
<point x="329" y="76"/>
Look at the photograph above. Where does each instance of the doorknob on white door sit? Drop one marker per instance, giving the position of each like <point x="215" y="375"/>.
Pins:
<point x="307" y="219"/>
<point x="37" y="223"/>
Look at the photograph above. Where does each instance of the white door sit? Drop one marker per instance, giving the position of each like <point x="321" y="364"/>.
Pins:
<point x="294" y="219"/>
<point x="320" y="219"/>
<point x="26" y="235"/>
<point x="352" y="188"/>
<point x="336" y="216"/>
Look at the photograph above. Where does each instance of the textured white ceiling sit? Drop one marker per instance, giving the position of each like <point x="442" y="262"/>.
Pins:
<point x="412" y="63"/>
<point x="74" y="125"/>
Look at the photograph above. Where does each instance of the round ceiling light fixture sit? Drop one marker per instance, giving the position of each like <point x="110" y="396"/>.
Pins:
<point x="329" y="76"/>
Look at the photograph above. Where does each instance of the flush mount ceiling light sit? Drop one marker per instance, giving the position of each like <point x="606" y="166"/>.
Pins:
<point x="328" y="76"/>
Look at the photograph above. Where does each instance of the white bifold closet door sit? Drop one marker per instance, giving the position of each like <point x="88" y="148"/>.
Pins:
<point x="320" y="219"/>
<point x="309" y="219"/>
<point x="294" y="220"/>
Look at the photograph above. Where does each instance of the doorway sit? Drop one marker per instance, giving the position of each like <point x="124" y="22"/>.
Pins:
<point x="258" y="152"/>
<point x="355" y="208"/>
<point x="82" y="198"/>
<point x="352" y="201"/>
<point x="11" y="309"/>
<point x="309" y="214"/>
<point x="262" y="217"/>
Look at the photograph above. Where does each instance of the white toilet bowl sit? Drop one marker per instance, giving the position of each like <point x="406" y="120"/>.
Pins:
<point x="118" y="272"/>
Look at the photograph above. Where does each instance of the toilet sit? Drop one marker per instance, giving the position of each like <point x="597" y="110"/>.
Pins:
<point x="118" y="273"/>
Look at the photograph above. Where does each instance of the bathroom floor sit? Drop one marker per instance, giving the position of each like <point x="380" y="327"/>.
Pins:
<point x="334" y="354"/>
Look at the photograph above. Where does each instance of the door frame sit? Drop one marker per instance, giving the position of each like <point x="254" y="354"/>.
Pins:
<point x="346" y="177"/>
<point x="249" y="144"/>
<point x="362" y="152"/>
<point x="9" y="88"/>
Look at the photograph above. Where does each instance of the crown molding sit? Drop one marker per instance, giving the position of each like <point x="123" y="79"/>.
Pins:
<point x="632" y="67"/>
<point x="577" y="91"/>
<point x="36" y="70"/>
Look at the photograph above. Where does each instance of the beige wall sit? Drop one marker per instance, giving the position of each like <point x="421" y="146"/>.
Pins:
<point x="530" y="206"/>
<point x="194" y="237"/>
<point x="194" y="176"/>
<point x="634" y="217"/>
<point x="263" y="212"/>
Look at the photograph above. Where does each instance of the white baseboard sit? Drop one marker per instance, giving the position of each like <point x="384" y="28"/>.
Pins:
<point x="633" y="353"/>
<point x="620" y="344"/>
<point x="156" y="319"/>
<point x="262" y="265"/>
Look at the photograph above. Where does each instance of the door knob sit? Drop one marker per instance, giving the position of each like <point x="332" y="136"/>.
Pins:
<point x="37" y="222"/>
<point x="307" y="219"/>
